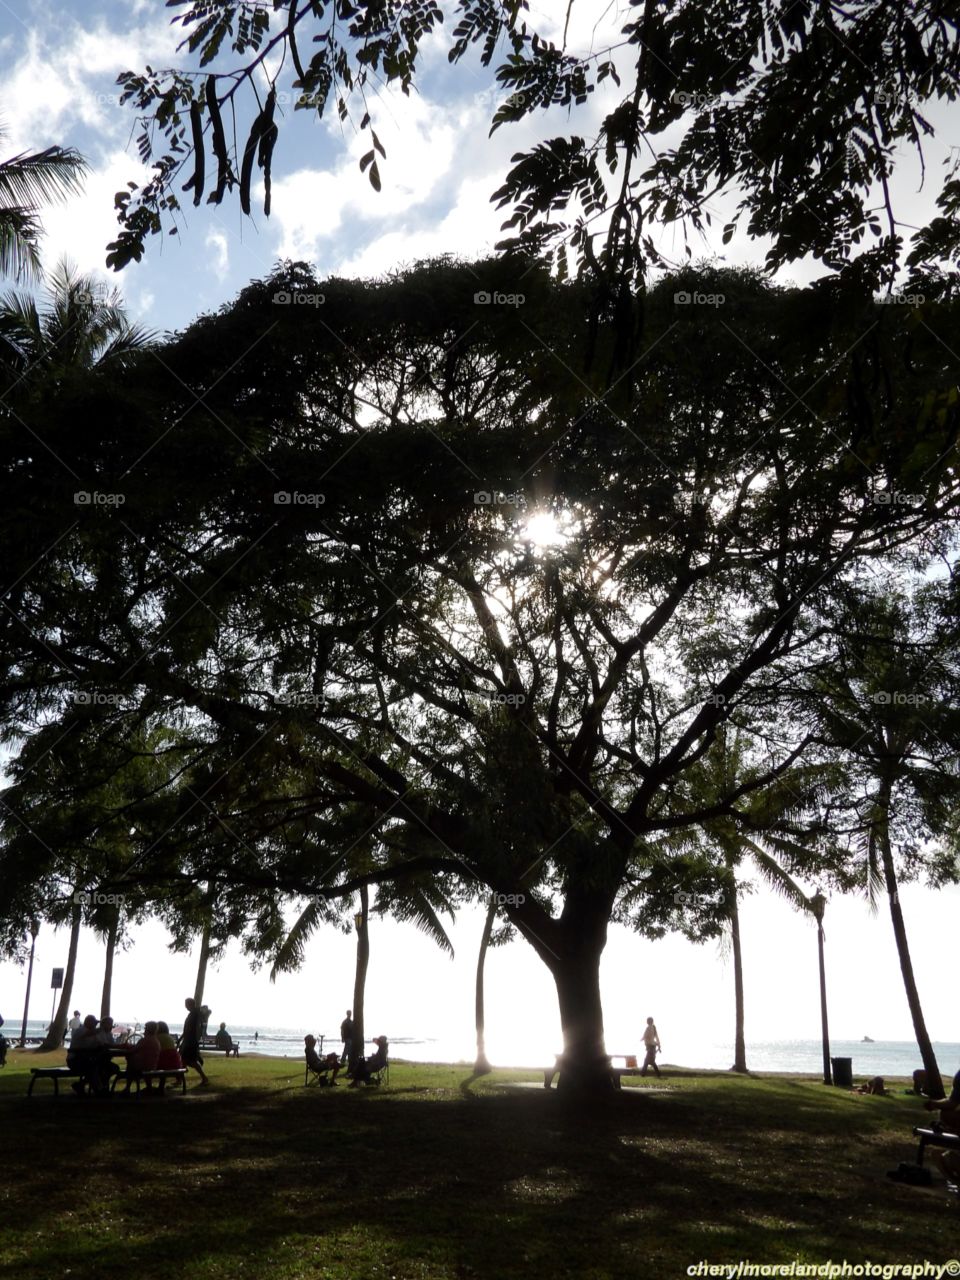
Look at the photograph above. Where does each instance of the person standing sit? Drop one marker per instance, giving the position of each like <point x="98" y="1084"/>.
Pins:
<point x="346" y="1035"/>
<point x="651" y="1042"/>
<point x="190" y="1039"/>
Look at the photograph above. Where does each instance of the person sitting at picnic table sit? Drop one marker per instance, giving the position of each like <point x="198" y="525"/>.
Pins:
<point x="222" y="1039"/>
<point x="144" y="1055"/>
<point x="107" y="1041"/>
<point x="85" y="1056"/>
<point x="367" y="1067"/>
<point x="169" y="1059"/>
<point x="328" y="1065"/>
<point x="948" y="1162"/>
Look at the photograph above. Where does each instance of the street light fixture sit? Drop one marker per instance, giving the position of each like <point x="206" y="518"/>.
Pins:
<point x="818" y="905"/>
<point x="358" y="920"/>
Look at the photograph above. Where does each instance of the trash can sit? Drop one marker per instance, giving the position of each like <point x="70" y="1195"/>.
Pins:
<point x="842" y="1072"/>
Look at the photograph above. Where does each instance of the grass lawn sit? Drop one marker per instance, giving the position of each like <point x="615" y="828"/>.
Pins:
<point x="436" y="1178"/>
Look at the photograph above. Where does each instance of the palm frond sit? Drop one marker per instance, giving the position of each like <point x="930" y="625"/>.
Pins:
<point x="28" y="180"/>
<point x="291" y="951"/>
<point x="776" y="877"/>
<point x="417" y="902"/>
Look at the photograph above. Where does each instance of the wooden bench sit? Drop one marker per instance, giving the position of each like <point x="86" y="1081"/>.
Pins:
<point x="617" y="1072"/>
<point x="209" y="1045"/>
<point x="935" y="1138"/>
<point x="56" y="1074"/>
<point x="172" y="1073"/>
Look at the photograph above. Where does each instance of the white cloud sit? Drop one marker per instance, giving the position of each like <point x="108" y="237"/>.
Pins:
<point x="419" y="137"/>
<point x="81" y="228"/>
<point x="65" y="78"/>
<point x="220" y="262"/>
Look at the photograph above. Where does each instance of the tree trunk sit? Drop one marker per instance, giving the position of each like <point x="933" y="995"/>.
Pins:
<point x="202" y="965"/>
<point x="584" y="1065"/>
<point x="112" y="933"/>
<point x="739" y="1044"/>
<point x="360" y="978"/>
<point x="54" y="1036"/>
<point x="482" y="1066"/>
<point x="934" y="1086"/>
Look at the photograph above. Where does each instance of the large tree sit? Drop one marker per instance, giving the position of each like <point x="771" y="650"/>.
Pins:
<point x="529" y="604"/>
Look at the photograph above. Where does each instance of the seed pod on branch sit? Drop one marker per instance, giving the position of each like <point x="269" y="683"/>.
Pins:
<point x="199" y="155"/>
<point x="224" y="175"/>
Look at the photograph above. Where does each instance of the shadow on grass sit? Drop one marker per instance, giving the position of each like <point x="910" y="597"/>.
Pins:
<point x="286" y="1181"/>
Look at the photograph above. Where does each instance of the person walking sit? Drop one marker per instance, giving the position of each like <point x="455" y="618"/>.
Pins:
<point x="346" y="1035"/>
<point x="651" y="1042"/>
<point x="190" y="1039"/>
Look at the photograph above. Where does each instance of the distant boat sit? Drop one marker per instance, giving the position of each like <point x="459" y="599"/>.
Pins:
<point x="867" y="1040"/>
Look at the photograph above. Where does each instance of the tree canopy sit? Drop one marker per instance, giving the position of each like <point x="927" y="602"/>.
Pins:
<point x="800" y="113"/>
<point x="404" y="580"/>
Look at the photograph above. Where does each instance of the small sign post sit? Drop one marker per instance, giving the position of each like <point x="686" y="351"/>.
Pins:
<point x="56" y="982"/>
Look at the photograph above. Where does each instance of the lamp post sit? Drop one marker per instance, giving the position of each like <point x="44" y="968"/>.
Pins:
<point x="34" y="930"/>
<point x="817" y="904"/>
<point x="358" y="921"/>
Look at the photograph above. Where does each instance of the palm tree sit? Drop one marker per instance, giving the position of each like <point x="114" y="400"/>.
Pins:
<point x="765" y="833"/>
<point x="27" y="181"/>
<point x="482" y="1065"/>
<point x="416" y="899"/>
<point x="78" y="324"/>
<point x="55" y="1032"/>
<point x="888" y="702"/>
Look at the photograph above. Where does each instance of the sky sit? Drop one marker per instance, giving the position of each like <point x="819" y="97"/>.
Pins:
<point x="59" y="65"/>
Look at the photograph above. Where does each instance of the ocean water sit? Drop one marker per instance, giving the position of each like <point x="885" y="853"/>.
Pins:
<point x="880" y="1058"/>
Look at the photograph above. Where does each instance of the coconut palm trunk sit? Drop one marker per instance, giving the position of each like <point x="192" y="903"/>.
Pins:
<point x="360" y="977"/>
<point x="482" y="1066"/>
<point x="113" y="931"/>
<point x="739" y="1044"/>
<point x="55" y="1033"/>
<point x="880" y="836"/>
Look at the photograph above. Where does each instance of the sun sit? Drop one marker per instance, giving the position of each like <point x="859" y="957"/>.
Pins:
<point x="543" y="530"/>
